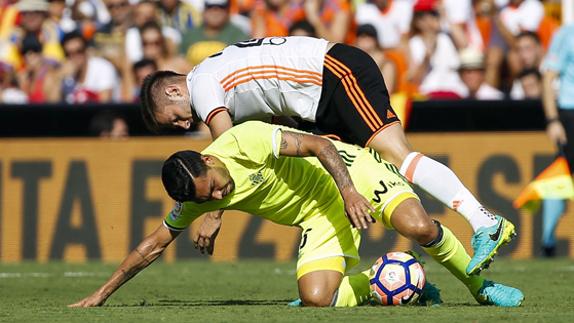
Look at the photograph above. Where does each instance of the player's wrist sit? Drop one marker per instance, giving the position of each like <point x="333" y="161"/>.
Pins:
<point x="551" y="121"/>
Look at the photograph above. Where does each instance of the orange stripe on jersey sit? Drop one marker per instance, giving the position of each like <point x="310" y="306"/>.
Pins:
<point x="213" y="113"/>
<point x="412" y="166"/>
<point x="369" y="108"/>
<point x="351" y="96"/>
<point x="305" y="78"/>
<point x="296" y="79"/>
<point x="351" y="93"/>
<point x="250" y="69"/>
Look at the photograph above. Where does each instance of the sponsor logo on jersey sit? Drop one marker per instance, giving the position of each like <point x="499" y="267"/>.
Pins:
<point x="256" y="178"/>
<point x="176" y="211"/>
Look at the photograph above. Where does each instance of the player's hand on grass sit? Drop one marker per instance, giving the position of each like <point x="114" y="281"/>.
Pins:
<point x="205" y="239"/>
<point x="357" y="208"/>
<point x="90" y="301"/>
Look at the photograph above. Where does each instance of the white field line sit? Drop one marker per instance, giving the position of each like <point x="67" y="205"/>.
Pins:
<point x="67" y="274"/>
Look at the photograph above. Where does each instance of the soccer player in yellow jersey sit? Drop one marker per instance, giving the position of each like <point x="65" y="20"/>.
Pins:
<point x="297" y="179"/>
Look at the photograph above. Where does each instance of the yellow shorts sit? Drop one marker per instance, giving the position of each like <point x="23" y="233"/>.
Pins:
<point x="329" y="242"/>
<point x="329" y="234"/>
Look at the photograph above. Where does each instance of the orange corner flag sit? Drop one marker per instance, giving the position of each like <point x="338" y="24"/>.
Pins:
<point x="555" y="182"/>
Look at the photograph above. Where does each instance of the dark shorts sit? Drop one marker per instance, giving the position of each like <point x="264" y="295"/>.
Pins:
<point x="567" y="119"/>
<point x="354" y="102"/>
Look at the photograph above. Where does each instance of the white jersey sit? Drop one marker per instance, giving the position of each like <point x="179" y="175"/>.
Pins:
<point x="260" y="78"/>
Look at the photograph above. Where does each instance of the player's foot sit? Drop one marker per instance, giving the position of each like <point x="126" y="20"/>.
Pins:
<point x="295" y="303"/>
<point x="492" y="293"/>
<point x="486" y="241"/>
<point x="430" y="295"/>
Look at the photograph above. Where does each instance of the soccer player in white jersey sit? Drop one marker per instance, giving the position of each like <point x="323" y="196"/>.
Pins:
<point x="257" y="168"/>
<point x="339" y="88"/>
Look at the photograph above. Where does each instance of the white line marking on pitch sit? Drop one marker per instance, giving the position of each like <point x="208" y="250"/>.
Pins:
<point x="67" y="274"/>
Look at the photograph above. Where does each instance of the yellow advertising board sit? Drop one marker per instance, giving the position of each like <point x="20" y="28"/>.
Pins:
<point x="79" y="199"/>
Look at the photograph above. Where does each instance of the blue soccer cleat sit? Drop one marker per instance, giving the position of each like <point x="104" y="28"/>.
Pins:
<point x="492" y="293"/>
<point x="486" y="241"/>
<point x="295" y="303"/>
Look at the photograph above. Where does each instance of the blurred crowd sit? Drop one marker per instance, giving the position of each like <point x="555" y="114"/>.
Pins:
<point x="79" y="51"/>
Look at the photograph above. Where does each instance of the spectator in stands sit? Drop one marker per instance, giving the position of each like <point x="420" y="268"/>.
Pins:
<point x="60" y="17"/>
<point x="34" y="80"/>
<point x="302" y="28"/>
<point x="10" y="92"/>
<point x="215" y="33"/>
<point x="82" y="78"/>
<point x="433" y="57"/>
<point x="529" y="50"/>
<point x="558" y="63"/>
<point x="141" y="69"/>
<point x="273" y="18"/>
<point x="146" y="11"/>
<point x="529" y="53"/>
<point x="155" y="47"/>
<point x="109" y="39"/>
<point x="332" y="19"/>
<point x="471" y="72"/>
<point x="460" y="22"/>
<point x="179" y="15"/>
<point x="516" y="17"/>
<point x="108" y="124"/>
<point x="34" y="20"/>
<point x="391" y="19"/>
<point x="132" y="80"/>
<point x="530" y="82"/>
<point x="368" y="41"/>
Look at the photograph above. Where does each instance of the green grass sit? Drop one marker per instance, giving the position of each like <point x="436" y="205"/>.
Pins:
<point x="248" y="291"/>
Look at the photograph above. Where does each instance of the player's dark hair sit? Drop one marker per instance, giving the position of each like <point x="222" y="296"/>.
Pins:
<point x="179" y="172"/>
<point x="149" y="89"/>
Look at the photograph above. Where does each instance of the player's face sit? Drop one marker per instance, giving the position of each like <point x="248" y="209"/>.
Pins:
<point x="177" y="113"/>
<point x="216" y="184"/>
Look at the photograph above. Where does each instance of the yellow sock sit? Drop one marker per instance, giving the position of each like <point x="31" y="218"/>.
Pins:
<point x="354" y="290"/>
<point x="450" y="253"/>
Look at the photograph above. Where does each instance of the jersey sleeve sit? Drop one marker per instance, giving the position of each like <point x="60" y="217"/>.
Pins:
<point x="182" y="215"/>
<point x="207" y="95"/>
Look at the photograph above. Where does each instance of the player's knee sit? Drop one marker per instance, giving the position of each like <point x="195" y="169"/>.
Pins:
<point x="316" y="298"/>
<point x="422" y="231"/>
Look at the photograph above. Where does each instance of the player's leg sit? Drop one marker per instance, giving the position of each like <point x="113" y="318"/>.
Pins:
<point x="321" y="283"/>
<point x="410" y="220"/>
<point x="491" y="231"/>
<point x="355" y="105"/>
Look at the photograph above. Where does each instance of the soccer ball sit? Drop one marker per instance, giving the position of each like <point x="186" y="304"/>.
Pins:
<point x="397" y="278"/>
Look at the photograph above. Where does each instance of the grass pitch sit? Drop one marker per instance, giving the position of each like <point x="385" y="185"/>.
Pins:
<point x="200" y="291"/>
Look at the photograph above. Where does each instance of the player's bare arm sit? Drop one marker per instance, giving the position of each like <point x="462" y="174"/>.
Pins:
<point x="142" y="256"/>
<point x="219" y="123"/>
<point x="304" y="145"/>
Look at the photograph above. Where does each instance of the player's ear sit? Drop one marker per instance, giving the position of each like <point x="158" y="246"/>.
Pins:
<point x="208" y="160"/>
<point x="172" y="90"/>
